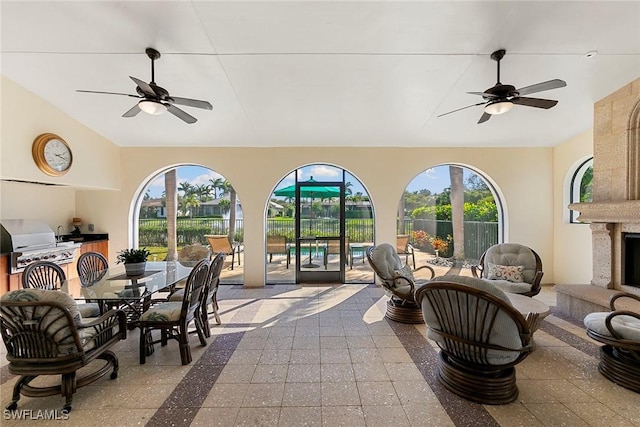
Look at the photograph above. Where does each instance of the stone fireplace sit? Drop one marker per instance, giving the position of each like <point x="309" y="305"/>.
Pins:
<point x="615" y="210"/>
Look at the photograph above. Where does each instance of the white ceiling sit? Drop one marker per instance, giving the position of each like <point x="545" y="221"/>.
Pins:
<point x="323" y="73"/>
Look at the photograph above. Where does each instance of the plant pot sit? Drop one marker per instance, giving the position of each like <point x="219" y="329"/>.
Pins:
<point x="135" y="268"/>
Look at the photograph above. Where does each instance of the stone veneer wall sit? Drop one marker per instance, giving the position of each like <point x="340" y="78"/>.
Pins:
<point x="616" y="145"/>
<point x="616" y="200"/>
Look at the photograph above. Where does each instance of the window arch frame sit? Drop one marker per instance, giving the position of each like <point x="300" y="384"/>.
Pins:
<point x="574" y="196"/>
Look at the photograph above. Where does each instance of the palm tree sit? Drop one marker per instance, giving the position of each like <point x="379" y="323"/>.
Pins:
<point x="217" y="184"/>
<point x="190" y="201"/>
<point x="172" y="213"/>
<point x="203" y="191"/>
<point x="186" y="188"/>
<point x="457" y="211"/>
<point x="347" y="187"/>
<point x="233" y="199"/>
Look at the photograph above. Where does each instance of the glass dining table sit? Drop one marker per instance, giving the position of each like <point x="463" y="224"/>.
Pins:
<point x="113" y="288"/>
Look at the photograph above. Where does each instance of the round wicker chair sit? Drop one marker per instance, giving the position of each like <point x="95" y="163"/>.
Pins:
<point x="480" y="334"/>
<point x="399" y="282"/>
<point x="619" y="330"/>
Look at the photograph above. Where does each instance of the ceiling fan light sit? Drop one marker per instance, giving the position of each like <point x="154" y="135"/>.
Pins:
<point x="152" y="107"/>
<point x="498" y="107"/>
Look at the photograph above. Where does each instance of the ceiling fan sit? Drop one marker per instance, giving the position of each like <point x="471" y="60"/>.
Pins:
<point x="155" y="99"/>
<point x="500" y="98"/>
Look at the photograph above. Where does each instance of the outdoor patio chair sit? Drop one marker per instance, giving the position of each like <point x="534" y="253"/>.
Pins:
<point x="333" y="248"/>
<point x="49" y="276"/>
<point x="512" y="267"/>
<point x="44" y="334"/>
<point x="398" y="281"/>
<point x="480" y="334"/>
<point x="403" y="247"/>
<point x="172" y="318"/>
<point x="190" y="255"/>
<point x="209" y="294"/>
<point x="222" y="244"/>
<point x="278" y="245"/>
<point x="619" y="330"/>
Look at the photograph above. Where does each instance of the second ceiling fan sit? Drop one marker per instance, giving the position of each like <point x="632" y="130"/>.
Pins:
<point x="500" y="98"/>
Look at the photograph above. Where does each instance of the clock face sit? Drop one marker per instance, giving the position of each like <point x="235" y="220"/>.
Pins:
<point x="52" y="154"/>
<point x="58" y="155"/>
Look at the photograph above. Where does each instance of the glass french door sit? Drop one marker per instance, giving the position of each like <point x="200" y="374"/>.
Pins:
<point x="320" y="232"/>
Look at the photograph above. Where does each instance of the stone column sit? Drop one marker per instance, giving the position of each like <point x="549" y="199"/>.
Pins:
<point x="602" y="254"/>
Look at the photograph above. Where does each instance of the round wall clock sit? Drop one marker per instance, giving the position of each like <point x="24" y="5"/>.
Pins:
<point x="52" y="154"/>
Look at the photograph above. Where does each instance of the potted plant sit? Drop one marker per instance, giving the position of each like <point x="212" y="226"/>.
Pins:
<point x="134" y="260"/>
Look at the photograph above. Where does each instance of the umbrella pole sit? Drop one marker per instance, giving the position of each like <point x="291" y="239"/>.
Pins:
<point x="310" y="264"/>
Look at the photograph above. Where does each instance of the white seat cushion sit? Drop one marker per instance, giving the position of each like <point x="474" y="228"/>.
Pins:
<point x="177" y="295"/>
<point x="627" y="326"/>
<point x="507" y="286"/>
<point x="163" y="312"/>
<point x="89" y="309"/>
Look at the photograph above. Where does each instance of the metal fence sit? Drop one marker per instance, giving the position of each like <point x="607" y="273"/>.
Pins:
<point x="478" y="236"/>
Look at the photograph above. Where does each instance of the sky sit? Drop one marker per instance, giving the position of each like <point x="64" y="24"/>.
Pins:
<point x="435" y="179"/>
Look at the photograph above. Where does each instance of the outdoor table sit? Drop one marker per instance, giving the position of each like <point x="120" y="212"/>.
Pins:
<point x="114" y="287"/>
<point x="359" y="248"/>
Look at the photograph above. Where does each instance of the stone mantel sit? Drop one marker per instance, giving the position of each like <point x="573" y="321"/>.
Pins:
<point x="622" y="212"/>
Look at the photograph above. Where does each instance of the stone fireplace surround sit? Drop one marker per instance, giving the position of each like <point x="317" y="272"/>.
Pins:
<point x="616" y="206"/>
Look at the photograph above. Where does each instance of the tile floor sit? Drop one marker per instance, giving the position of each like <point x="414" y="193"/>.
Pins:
<point x="325" y="356"/>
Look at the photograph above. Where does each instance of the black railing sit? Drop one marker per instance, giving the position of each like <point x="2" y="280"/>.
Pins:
<point x="478" y="236"/>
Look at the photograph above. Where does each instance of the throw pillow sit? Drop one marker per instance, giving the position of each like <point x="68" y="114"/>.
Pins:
<point x="405" y="271"/>
<point x="512" y="273"/>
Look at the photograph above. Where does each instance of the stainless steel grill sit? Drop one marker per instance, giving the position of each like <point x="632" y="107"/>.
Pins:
<point x="28" y="241"/>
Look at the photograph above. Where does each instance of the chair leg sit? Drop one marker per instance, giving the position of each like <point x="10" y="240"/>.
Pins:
<point x="288" y="259"/>
<point x="413" y="257"/>
<point x="143" y="345"/>
<point x="67" y="389"/>
<point x="183" y="342"/>
<point x="214" y="304"/>
<point x="200" y="330"/>
<point x="204" y="318"/>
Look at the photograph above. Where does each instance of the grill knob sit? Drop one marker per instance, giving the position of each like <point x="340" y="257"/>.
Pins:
<point x="36" y="258"/>
<point x="54" y="256"/>
<point x="45" y="257"/>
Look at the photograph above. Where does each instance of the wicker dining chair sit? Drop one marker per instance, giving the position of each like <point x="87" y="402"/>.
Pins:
<point x="48" y="275"/>
<point x="172" y="318"/>
<point x="44" y="334"/>
<point x="209" y="294"/>
<point x="398" y="281"/>
<point x="480" y="334"/>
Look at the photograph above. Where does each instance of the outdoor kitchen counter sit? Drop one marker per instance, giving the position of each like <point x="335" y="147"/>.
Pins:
<point x="98" y="242"/>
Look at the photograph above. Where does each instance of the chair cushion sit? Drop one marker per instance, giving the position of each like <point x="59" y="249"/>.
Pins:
<point x="512" y="254"/>
<point x="507" y="286"/>
<point x="503" y="333"/>
<point x="89" y="309"/>
<point x="163" y="312"/>
<point x="63" y="336"/>
<point x="404" y="271"/>
<point x="386" y="259"/>
<point x="34" y="294"/>
<point x="177" y="295"/>
<point x="627" y="326"/>
<point x="511" y="273"/>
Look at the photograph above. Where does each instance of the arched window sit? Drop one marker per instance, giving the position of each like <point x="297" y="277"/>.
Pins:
<point x="426" y="210"/>
<point x="581" y="187"/>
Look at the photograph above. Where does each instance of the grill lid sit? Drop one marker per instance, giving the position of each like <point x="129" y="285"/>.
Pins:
<point x="19" y="235"/>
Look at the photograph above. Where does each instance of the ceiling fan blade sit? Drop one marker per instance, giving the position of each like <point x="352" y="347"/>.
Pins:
<point x="539" y="87"/>
<point x="488" y="95"/>
<point x="107" y="93"/>
<point x="535" y="102"/>
<point x="484" y="117"/>
<point x="132" y="112"/>
<point x="181" y="114"/>
<point x="190" y="102"/>
<point x="463" y="108"/>
<point x="144" y="87"/>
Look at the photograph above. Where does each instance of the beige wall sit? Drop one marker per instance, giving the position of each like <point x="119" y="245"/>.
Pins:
<point x="572" y="242"/>
<point x="523" y="176"/>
